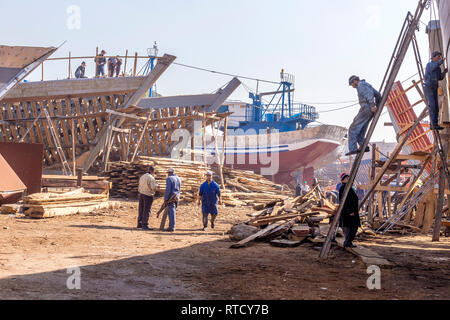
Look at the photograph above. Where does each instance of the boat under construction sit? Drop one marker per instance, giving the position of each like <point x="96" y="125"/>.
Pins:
<point x="86" y="123"/>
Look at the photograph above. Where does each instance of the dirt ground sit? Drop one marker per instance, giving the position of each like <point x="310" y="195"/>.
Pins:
<point x="120" y="262"/>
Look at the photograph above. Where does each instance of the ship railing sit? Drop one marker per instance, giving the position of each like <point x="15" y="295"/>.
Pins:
<point x="91" y="60"/>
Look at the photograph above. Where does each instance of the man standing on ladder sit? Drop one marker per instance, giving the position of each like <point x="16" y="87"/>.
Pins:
<point x="369" y="99"/>
<point x="433" y="75"/>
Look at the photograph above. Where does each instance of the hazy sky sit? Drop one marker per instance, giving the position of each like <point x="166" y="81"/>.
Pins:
<point x="322" y="43"/>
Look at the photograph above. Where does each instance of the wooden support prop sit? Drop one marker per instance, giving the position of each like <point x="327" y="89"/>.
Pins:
<point x="144" y="130"/>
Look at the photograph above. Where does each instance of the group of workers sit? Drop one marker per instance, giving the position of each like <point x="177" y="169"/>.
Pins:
<point x="114" y="66"/>
<point x="370" y="100"/>
<point x="209" y="196"/>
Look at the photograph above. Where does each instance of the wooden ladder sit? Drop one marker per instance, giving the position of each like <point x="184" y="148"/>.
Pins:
<point x="65" y="165"/>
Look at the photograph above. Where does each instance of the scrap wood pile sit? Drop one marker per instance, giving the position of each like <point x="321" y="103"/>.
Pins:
<point x="285" y="223"/>
<point x="248" y="188"/>
<point x="46" y="205"/>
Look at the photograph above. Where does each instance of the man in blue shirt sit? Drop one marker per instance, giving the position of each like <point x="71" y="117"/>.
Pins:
<point x="209" y="194"/>
<point x="171" y="196"/>
<point x="369" y="99"/>
<point x="433" y="75"/>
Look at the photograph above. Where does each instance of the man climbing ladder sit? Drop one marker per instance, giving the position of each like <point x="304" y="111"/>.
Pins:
<point x="369" y="99"/>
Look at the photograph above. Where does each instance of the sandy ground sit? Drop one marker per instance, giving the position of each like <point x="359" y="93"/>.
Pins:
<point x="119" y="262"/>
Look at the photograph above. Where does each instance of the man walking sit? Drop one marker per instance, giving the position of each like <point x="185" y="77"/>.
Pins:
<point x="434" y="74"/>
<point x="172" y="196"/>
<point x="350" y="213"/>
<point x="208" y="195"/>
<point x="79" y="73"/>
<point x="147" y="189"/>
<point x="369" y="99"/>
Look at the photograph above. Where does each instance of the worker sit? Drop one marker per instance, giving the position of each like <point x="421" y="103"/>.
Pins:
<point x="350" y="213"/>
<point x="118" y="65"/>
<point x="306" y="187"/>
<point x="173" y="187"/>
<point x="147" y="189"/>
<point x="111" y="66"/>
<point x="209" y="194"/>
<point x="100" y="64"/>
<point x="79" y="73"/>
<point x="434" y="74"/>
<point x="370" y="100"/>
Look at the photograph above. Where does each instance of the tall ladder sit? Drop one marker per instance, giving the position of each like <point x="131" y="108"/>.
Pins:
<point x="407" y="33"/>
<point x="65" y="165"/>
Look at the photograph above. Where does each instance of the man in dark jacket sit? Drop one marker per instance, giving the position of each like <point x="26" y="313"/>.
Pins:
<point x="79" y="73"/>
<point x="350" y="213"/>
<point x="433" y="75"/>
<point x="100" y="62"/>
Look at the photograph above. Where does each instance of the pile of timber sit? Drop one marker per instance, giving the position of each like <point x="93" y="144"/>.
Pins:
<point x="92" y="184"/>
<point x="47" y="205"/>
<point x="241" y="187"/>
<point x="285" y="223"/>
<point x="125" y="175"/>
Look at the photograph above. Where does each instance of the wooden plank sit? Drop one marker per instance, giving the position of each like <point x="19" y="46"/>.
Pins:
<point x="369" y="257"/>
<point x="63" y="124"/>
<point x="96" y="110"/>
<point x="48" y="135"/>
<point x="385" y="188"/>
<point x="47" y="153"/>
<point x="20" y="115"/>
<point x="253" y="237"/>
<point x="5" y="134"/>
<point x="80" y="122"/>
<point x="85" y="104"/>
<point x="12" y="126"/>
<point x="29" y="114"/>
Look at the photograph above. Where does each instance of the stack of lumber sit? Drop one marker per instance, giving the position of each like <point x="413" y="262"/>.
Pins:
<point x="125" y="176"/>
<point x="241" y="187"/>
<point x="47" y="205"/>
<point x="93" y="184"/>
<point x="287" y="222"/>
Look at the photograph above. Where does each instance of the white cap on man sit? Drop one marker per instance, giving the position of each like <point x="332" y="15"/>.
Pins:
<point x="209" y="173"/>
<point x="171" y="170"/>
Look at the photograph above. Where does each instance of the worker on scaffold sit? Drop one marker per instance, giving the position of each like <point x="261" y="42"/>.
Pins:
<point x="370" y="100"/>
<point x="434" y="74"/>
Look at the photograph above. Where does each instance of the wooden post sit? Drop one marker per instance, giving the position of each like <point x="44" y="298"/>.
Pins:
<point x="135" y="64"/>
<point x="96" y="62"/>
<point x="73" y="146"/>
<point x="70" y="64"/>
<point x="440" y="202"/>
<point x="125" y="64"/>
<point x="144" y="130"/>
<point x="372" y="177"/>
<point x="42" y="76"/>
<point x="79" y="177"/>
<point x="204" y="137"/>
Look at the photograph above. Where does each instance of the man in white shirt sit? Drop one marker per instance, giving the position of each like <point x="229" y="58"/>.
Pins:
<point x="147" y="190"/>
